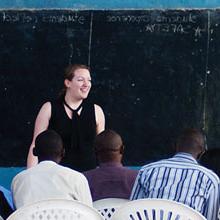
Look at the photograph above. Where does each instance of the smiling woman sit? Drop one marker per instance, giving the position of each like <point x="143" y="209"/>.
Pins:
<point x="74" y="117"/>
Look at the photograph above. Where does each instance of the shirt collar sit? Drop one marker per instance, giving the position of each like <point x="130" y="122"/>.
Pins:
<point x="185" y="157"/>
<point x="111" y="164"/>
<point x="47" y="162"/>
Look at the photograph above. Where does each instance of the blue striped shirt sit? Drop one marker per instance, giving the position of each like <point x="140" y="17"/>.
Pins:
<point x="181" y="179"/>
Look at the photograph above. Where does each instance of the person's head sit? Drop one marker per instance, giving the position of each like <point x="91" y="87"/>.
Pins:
<point x="77" y="81"/>
<point x="49" y="146"/>
<point x="109" y="146"/>
<point x="191" y="141"/>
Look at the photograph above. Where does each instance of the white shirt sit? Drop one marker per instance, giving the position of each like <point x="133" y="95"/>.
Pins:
<point x="49" y="180"/>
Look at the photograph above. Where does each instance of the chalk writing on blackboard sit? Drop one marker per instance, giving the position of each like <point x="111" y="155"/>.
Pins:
<point x="177" y="19"/>
<point x="197" y="31"/>
<point x="159" y="22"/>
<point x="17" y="18"/>
<point x="165" y="28"/>
<point x="180" y="19"/>
<point x="74" y="17"/>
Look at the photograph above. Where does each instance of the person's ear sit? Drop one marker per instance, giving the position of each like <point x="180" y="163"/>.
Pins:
<point x="199" y="156"/>
<point x="203" y="148"/>
<point x="67" y="83"/>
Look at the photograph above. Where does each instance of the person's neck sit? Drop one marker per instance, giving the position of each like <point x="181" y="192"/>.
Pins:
<point x="73" y="103"/>
<point x="115" y="160"/>
<point x="193" y="154"/>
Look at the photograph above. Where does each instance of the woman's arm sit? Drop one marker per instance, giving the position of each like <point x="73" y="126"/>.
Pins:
<point x="41" y="124"/>
<point x="100" y="119"/>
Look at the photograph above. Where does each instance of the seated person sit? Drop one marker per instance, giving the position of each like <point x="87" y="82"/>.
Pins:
<point x="48" y="179"/>
<point x="211" y="160"/>
<point x="6" y="206"/>
<point x="181" y="178"/>
<point x="110" y="179"/>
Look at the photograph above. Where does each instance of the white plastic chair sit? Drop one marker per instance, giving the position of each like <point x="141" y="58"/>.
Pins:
<point x="156" y="209"/>
<point x="108" y="206"/>
<point x="56" y="209"/>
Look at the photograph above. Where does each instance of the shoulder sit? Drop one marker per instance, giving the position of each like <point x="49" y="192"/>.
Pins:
<point x="127" y="173"/>
<point x="45" y="112"/>
<point x="131" y="171"/>
<point x="46" y="107"/>
<point x="47" y="104"/>
<point x="97" y="108"/>
<point x="73" y="174"/>
<point x="21" y="175"/>
<point x="90" y="173"/>
<point x="152" y="165"/>
<point x="100" y="118"/>
<point x="155" y="166"/>
<point x="211" y="175"/>
<point x="98" y="111"/>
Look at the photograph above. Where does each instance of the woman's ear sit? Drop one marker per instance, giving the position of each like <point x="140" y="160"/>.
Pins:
<point x="67" y="83"/>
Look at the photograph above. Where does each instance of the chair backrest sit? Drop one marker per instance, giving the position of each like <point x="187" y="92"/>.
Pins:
<point x="156" y="209"/>
<point x="56" y="209"/>
<point x="108" y="206"/>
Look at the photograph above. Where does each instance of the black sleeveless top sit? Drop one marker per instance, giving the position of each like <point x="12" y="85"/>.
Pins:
<point x="77" y="135"/>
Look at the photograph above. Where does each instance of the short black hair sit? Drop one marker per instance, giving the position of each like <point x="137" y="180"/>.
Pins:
<point x="107" y="141"/>
<point x="108" y="146"/>
<point x="48" y="145"/>
<point x="191" y="139"/>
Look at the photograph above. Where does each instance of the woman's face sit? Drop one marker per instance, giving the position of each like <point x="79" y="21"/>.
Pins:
<point x="80" y="84"/>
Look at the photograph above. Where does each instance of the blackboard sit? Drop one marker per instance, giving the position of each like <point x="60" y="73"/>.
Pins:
<point x="154" y="73"/>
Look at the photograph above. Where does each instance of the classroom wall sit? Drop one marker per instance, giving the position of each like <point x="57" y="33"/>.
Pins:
<point x="189" y="96"/>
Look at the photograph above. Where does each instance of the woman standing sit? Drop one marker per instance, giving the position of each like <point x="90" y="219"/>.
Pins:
<point x="75" y="118"/>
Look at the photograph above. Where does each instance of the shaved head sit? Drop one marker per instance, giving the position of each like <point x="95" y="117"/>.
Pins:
<point x="191" y="140"/>
<point x="108" y="145"/>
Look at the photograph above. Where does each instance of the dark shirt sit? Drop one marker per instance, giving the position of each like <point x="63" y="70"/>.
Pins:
<point x="111" y="180"/>
<point x="77" y="134"/>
